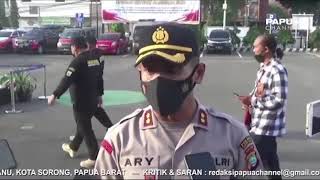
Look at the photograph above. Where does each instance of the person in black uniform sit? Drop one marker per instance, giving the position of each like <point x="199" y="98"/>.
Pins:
<point x="82" y="79"/>
<point x="100" y="114"/>
<point x="96" y="53"/>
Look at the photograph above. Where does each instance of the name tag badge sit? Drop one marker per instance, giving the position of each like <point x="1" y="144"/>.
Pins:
<point x="136" y="166"/>
<point x="222" y="162"/>
<point x="94" y="62"/>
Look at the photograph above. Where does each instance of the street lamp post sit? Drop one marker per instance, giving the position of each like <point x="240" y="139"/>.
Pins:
<point x="97" y="18"/>
<point x="224" y="7"/>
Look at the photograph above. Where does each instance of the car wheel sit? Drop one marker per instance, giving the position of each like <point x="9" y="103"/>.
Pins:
<point x="40" y="49"/>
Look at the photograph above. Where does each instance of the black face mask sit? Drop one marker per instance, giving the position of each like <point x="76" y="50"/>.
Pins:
<point x="259" y="58"/>
<point x="166" y="95"/>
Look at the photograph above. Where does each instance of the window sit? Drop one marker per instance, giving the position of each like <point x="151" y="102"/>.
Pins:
<point x="34" y="10"/>
<point x="26" y="0"/>
<point x="15" y="34"/>
<point x="60" y="0"/>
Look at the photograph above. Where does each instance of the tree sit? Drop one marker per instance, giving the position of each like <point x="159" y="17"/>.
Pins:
<point x="14" y="14"/>
<point x="252" y="34"/>
<point x="315" y="38"/>
<point x="303" y="6"/>
<point x="284" y="36"/>
<point x="3" y="18"/>
<point x="215" y="11"/>
<point x="279" y="11"/>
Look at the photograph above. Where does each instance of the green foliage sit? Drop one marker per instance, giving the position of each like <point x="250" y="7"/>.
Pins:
<point x="14" y="14"/>
<point x="215" y="11"/>
<point x="315" y="38"/>
<point x="280" y="12"/>
<point x="303" y="6"/>
<point x="25" y="84"/>
<point x="117" y="27"/>
<point x="3" y="18"/>
<point x="252" y="34"/>
<point x="4" y="80"/>
<point x="285" y="37"/>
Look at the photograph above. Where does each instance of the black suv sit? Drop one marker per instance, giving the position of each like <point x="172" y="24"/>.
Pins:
<point x="38" y="40"/>
<point x="220" y="40"/>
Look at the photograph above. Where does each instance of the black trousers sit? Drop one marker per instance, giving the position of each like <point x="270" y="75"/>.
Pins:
<point x="85" y="132"/>
<point x="101" y="115"/>
<point x="267" y="147"/>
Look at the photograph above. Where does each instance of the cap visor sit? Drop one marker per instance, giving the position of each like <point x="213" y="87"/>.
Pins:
<point x="178" y="58"/>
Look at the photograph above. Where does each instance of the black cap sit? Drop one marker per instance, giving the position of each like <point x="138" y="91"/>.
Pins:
<point x="79" y="42"/>
<point x="172" y="42"/>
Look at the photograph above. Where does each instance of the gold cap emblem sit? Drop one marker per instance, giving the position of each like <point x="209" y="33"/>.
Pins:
<point x="160" y="35"/>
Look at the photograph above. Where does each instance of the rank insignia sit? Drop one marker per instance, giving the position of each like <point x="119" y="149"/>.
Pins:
<point x="148" y="121"/>
<point x="203" y="118"/>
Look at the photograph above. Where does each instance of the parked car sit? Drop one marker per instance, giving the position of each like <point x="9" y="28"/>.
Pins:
<point x="64" y="43"/>
<point x="52" y="27"/>
<point x="220" y="40"/>
<point x="137" y="34"/>
<point x="38" y="40"/>
<point x="7" y="39"/>
<point x="112" y="43"/>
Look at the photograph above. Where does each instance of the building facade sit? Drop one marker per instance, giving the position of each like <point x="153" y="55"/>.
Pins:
<point x="59" y="12"/>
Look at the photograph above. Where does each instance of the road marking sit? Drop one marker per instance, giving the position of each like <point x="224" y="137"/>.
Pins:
<point x="313" y="54"/>
<point x="239" y="54"/>
<point x="124" y="56"/>
<point x="27" y="127"/>
<point x="202" y="54"/>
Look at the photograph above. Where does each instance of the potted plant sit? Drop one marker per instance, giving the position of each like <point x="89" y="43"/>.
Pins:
<point x="25" y="84"/>
<point x="4" y="89"/>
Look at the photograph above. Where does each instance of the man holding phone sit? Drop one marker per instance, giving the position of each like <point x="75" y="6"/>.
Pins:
<point x="168" y="134"/>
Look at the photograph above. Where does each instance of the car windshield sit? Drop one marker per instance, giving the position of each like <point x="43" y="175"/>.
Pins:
<point x="137" y="33"/>
<point x="219" y="34"/>
<point x="70" y="34"/>
<point x="109" y="37"/>
<point x="34" y="33"/>
<point x="5" y="33"/>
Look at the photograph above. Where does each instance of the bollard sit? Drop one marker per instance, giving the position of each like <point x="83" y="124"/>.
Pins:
<point x="44" y="97"/>
<point x="13" y="103"/>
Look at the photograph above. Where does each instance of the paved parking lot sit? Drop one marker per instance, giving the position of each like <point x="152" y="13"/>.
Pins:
<point x="37" y="134"/>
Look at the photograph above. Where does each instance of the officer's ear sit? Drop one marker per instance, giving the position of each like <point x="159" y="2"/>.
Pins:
<point x="199" y="73"/>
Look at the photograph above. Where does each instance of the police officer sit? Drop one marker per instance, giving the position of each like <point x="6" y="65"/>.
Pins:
<point x="175" y="124"/>
<point x="82" y="76"/>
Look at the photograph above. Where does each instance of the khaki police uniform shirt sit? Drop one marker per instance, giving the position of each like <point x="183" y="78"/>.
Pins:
<point x="136" y="144"/>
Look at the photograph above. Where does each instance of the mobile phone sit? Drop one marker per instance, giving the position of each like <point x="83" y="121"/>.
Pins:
<point x="201" y="161"/>
<point x="236" y="94"/>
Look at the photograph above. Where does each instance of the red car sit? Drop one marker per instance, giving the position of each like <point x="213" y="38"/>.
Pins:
<point x="112" y="43"/>
<point x="8" y="37"/>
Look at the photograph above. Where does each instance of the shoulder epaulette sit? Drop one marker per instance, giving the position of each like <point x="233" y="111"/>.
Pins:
<point x="137" y="112"/>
